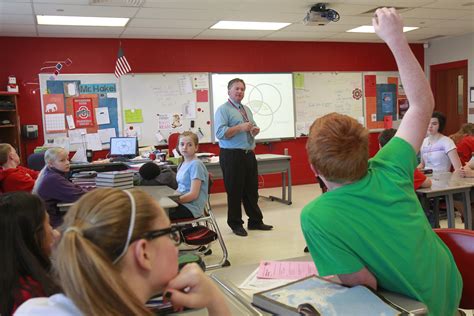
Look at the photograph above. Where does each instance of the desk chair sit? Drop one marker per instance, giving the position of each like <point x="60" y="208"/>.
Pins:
<point x="199" y="233"/>
<point x="461" y="244"/>
<point x="172" y="143"/>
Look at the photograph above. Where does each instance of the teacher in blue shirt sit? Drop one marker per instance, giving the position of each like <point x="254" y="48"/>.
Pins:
<point x="236" y="131"/>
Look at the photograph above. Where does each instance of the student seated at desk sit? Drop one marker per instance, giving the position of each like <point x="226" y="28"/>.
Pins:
<point x="369" y="228"/>
<point x="464" y="140"/>
<point x="420" y="180"/>
<point x="438" y="152"/>
<point x="193" y="180"/>
<point x="53" y="186"/>
<point x="14" y="177"/>
<point x="26" y="242"/>
<point x="117" y="250"/>
<point x="152" y="174"/>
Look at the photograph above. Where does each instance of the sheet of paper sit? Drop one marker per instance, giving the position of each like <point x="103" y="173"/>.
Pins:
<point x="159" y="137"/>
<point x="79" y="156"/>
<point x="102" y="116"/>
<point x="70" y="122"/>
<point x="55" y="122"/>
<point x="202" y="95"/>
<point x="254" y="284"/>
<point x="133" y="116"/>
<point x="185" y="85"/>
<point x="105" y="134"/>
<point x="289" y="270"/>
<point x="200" y="82"/>
<point x="189" y="110"/>
<point x="93" y="141"/>
<point x="165" y="120"/>
<point x="75" y="135"/>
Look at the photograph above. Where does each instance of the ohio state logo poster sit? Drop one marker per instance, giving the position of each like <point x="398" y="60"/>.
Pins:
<point x="83" y="112"/>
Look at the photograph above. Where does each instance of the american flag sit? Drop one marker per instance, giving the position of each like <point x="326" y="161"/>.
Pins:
<point x="121" y="66"/>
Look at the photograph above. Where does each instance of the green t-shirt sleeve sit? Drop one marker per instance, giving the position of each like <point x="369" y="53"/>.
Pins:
<point x="330" y="253"/>
<point x="397" y="156"/>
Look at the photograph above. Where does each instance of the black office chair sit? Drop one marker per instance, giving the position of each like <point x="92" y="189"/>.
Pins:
<point x="35" y="161"/>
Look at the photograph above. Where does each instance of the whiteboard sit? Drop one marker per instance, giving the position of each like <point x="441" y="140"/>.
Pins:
<point x="320" y="93"/>
<point x="270" y="98"/>
<point x="89" y="85"/>
<point x="170" y="103"/>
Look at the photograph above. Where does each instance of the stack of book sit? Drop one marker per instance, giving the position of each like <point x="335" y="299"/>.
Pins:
<point x="115" y="179"/>
<point x="84" y="179"/>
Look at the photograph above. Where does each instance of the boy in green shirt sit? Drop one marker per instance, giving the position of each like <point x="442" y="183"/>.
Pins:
<point x="369" y="228"/>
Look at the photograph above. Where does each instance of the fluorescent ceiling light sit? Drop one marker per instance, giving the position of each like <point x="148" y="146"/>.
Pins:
<point x="80" y="20"/>
<point x="244" y="25"/>
<point x="370" y="29"/>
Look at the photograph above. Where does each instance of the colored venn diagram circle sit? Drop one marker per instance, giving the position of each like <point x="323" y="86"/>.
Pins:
<point x="264" y="100"/>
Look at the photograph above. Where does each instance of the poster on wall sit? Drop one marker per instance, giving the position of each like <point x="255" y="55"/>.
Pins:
<point x="386" y="101"/>
<point x="83" y="112"/>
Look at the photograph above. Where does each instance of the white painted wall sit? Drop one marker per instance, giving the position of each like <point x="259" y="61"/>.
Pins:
<point x="453" y="49"/>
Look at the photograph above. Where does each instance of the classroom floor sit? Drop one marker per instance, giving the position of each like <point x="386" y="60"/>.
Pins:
<point x="284" y="241"/>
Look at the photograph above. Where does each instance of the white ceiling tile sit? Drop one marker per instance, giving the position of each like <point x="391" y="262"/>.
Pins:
<point x="84" y="10"/>
<point x="299" y="36"/>
<point x="160" y="36"/>
<point x="451" y="4"/>
<point x="189" y="24"/>
<point x="95" y="35"/>
<point x="330" y="27"/>
<point x="17" y="19"/>
<point x="232" y="34"/>
<point x="17" y="28"/>
<point x="16" y="34"/>
<point x="80" y="2"/>
<point x="15" y="8"/>
<point x="434" y="14"/>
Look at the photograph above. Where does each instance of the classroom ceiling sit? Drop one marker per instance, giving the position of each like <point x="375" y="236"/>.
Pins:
<point x="192" y="19"/>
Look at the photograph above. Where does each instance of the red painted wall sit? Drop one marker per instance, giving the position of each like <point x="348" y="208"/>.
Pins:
<point x="23" y="57"/>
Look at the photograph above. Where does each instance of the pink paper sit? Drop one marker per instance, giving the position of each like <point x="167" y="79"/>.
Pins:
<point x="289" y="270"/>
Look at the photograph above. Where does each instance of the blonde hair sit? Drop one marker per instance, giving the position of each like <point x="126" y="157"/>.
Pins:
<point x="5" y="150"/>
<point x="338" y="148"/>
<point x="467" y="129"/>
<point x="50" y="156"/>
<point x="97" y="228"/>
<point x="193" y="137"/>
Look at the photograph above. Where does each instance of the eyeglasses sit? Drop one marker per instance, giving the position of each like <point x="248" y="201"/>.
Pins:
<point x="173" y="232"/>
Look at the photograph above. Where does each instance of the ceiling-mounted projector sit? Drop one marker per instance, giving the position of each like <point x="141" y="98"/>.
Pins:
<point x="319" y="15"/>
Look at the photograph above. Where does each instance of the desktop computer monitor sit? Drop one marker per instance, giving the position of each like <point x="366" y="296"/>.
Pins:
<point x="126" y="147"/>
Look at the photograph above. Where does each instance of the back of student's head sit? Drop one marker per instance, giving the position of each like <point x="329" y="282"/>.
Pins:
<point x="5" y="150"/>
<point x="337" y="148"/>
<point x="441" y="120"/>
<point x="386" y="135"/>
<point x="95" y="232"/>
<point x="23" y="248"/>
<point x="149" y="171"/>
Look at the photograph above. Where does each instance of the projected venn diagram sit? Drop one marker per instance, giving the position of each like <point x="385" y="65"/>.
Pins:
<point x="265" y="101"/>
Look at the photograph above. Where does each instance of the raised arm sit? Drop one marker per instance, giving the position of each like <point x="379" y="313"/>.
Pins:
<point x="389" y="27"/>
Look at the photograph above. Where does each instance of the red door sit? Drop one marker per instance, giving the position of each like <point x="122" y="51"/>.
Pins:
<point x="449" y="85"/>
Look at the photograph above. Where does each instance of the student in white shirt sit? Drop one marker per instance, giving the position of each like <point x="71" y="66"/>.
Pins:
<point x="438" y="152"/>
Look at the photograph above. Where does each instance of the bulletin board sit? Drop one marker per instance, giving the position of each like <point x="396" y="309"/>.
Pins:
<point x="80" y="110"/>
<point x="320" y="93"/>
<point x="159" y="104"/>
<point x="384" y="98"/>
<point x="268" y="95"/>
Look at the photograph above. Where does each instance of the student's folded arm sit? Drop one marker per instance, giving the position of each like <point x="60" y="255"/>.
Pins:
<point x="361" y="277"/>
<point x="193" y="193"/>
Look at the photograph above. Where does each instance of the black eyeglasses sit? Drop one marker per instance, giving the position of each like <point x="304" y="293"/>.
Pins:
<point x="173" y="232"/>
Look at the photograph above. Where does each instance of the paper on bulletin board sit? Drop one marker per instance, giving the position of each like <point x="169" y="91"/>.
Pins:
<point x="55" y="123"/>
<point x="75" y="135"/>
<point x="133" y="116"/>
<point x="83" y="112"/>
<point x="185" y="85"/>
<point x="102" y="116"/>
<point x="298" y="79"/>
<point x="202" y="95"/>
<point x="200" y="82"/>
<point x="105" y="134"/>
<point x="53" y="103"/>
<point x="133" y="130"/>
<point x="165" y="120"/>
<point x="70" y="122"/>
<point x="93" y="141"/>
<point x="189" y="110"/>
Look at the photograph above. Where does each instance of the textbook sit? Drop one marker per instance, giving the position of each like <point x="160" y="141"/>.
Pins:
<point x="116" y="174"/>
<point x="112" y="181"/>
<point x="317" y="296"/>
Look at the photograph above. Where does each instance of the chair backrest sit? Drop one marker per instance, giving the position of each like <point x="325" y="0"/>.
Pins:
<point x="461" y="244"/>
<point x="172" y="143"/>
<point x="35" y="161"/>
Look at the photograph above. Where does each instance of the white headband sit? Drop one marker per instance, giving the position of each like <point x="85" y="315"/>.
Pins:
<point x="130" y="227"/>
